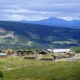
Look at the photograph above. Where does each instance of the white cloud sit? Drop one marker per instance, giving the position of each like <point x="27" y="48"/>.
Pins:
<point x="69" y="18"/>
<point x="15" y="17"/>
<point x="26" y="11"/>
<point x="22" y="17"/>
<point x="15" y="11"/>
<point x="13" y="6"/>
<point x="39" y="9"/>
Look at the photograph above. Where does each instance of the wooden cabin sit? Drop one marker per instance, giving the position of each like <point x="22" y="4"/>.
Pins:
<point x="20" y="53"/>
<point x="23" y="53"/>
<point x="56" y="56"/>
<point x="71" y="54"/>
<point x="32" y="52"/>
<point x="11" y="53"/>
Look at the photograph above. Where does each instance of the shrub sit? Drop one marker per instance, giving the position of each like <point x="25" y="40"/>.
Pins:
<point x="1" y="74"/>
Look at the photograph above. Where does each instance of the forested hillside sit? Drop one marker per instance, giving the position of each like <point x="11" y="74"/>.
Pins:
<point x="24" y="35"/>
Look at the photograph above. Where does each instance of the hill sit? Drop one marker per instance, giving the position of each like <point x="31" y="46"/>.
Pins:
<point x="57" y="22"/>
<point x="19" y="35"/>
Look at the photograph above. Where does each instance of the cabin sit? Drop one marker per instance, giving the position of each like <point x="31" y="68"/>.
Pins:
<point x="56" y="56"/>
<point x="24" y="53"/>
<point x="30" y="52"/>
<point x="20" y="53"/>
<point x="71" y="54"/>
<point x="11" y="53"/>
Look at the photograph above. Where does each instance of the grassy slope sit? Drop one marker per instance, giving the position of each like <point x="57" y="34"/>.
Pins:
<point x="39" y="70"/>
<point x="38" y="36"/>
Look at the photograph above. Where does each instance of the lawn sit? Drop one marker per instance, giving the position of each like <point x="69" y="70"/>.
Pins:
<point x="19" y="69"/>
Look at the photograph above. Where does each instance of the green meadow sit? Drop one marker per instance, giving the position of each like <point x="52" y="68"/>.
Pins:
<point x="17" y="68"/>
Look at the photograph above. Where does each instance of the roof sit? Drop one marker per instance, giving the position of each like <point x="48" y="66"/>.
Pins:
<point x="2" y="54"/>
<point x="50" y="50"/>
<point x="58" y="50"/>
<point x="61" y="50"/>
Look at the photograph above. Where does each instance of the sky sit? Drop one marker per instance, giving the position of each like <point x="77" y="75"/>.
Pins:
<point x="33" y="10"/>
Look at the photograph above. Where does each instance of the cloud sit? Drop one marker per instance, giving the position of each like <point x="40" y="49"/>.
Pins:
<point x="69" y="18"/>
<point x="15" y="17"/>
<point x="66" y="9"/>
<point x="22" y="17"/>
<point x="19" y="11"/>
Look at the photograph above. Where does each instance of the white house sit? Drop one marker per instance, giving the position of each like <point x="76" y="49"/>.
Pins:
<point x="61" y="51"/>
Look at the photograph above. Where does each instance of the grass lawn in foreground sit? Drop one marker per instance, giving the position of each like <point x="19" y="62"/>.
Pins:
<point x="20" y="69"/>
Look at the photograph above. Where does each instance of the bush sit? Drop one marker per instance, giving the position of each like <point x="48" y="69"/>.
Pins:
<point x="1" y="74"/>
<point x="77" y="49"/>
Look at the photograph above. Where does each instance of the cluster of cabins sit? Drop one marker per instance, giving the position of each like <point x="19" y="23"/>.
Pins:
<point x="55" y="54"/>
<point x="59" y="54"/>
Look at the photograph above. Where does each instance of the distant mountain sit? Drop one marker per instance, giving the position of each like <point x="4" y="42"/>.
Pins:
<point x="19" y="35"/>
<point x="57" y="22"/>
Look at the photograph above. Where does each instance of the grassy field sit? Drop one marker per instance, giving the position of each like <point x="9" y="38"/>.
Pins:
<point x="19" y="69"/>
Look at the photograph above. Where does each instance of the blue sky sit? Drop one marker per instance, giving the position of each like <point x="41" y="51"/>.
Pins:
<point x="33" y="10"/>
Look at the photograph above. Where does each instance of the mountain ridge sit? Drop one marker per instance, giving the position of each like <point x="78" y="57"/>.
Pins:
<point x="57" y="22"/>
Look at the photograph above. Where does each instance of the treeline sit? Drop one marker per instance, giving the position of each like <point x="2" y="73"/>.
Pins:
<point x="76" y="49"/>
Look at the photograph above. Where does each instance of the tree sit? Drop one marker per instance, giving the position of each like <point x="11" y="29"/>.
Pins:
<point x="76" y="49"/>
<point x="1" y="74"/>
